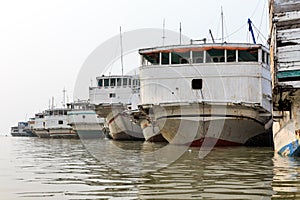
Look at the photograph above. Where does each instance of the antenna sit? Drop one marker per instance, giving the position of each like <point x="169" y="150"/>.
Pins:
<point x="180" y="33"/>
<point x="52" y="102"/>
<point x="163" y="37"/>
<point x="211" y="35"/>
<point x="121" y="49"/>
<point x="222" y="17"/>
<point x="64" y="97"/>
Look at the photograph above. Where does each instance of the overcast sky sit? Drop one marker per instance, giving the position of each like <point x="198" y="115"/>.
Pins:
<point x="44" y="43"/>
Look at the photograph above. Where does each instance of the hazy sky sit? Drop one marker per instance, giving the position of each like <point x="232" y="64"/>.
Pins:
<point x="43" y="43"/>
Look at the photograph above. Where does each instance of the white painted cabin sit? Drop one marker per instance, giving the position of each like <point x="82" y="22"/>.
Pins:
<point x="228" y="73"/>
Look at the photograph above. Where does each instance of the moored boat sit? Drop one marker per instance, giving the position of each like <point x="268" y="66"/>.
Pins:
<point x="85" y="121"/>
<point x="39" y="126"/>
<point x="57" y="124"/>
<point x="285" y="65"/>
<point x="23" y="129"/>
<point x="207" y="94"/>
<point x="52" y="123"/>
<point x="113" y="97"/>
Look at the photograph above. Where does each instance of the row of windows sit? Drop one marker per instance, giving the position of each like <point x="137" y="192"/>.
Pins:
<point x="209" y="56"/>
<point x="118" y="82"/>
<point x="58" y="122"/>
<point x="56" y="112"/>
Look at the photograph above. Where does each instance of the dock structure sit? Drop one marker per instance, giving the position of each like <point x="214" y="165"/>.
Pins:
<point x="285" y="70"/>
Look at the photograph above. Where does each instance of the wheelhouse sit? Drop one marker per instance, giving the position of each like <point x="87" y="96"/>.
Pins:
<point x="204" y="53"/>
<point x="106" y="82"/>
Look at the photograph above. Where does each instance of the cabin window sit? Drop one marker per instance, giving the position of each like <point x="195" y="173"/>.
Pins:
<point x="112" y="82"/>
<point x="268" y="59"/>
<point x="106" y="82"/>
<point x="129" y="81"/>
<point x="231" y="55"/>
<point x="60" y="122"/>
<point x="119" y="81"/>
<point x="153" y="58"/>
<point x="112" y="95"/>
<point x="197" y="84"/>
<point x="215" y="55"/>
<point x="180" y="58"/>
<point x="248" y="55"/>
<point x="197" y="56"/>
<point x="165" y="58"/>
<point x="100" y="82"/>
<point x="124" y="81"/>
<point x="263" y="56"/>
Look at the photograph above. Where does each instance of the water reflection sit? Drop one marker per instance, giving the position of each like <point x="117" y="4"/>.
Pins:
<point x="33" y="168"/>
<point x="286" y="182"/>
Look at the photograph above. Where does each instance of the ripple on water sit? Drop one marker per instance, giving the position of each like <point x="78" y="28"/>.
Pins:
<point x="63" y="169"/>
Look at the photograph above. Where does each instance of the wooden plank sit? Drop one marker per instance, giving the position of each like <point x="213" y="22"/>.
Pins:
<point x="288" y="49"/>
<point x="288" y="73"/>
<point x="291" y="24"/>
<point x="283" y="6"/>
<point x="287" y="16"/>
<point x="287" y="66"/>
<point x="288" y="57"/>
<point x="290" y="35"/>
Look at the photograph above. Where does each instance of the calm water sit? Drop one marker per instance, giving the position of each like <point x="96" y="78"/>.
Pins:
<point x="33" y="168"/>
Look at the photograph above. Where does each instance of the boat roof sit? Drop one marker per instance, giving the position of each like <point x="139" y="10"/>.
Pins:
<point x="57" y="109"/>
<point x="117" y="76"/>
<point x="202" y="47"/>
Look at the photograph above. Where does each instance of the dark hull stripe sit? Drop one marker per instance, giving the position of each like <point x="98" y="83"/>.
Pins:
<point x="211" y="115"/>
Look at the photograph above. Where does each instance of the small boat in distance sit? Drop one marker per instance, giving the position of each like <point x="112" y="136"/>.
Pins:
<point x="23" y="129"/>
<point x="207" y="94"/>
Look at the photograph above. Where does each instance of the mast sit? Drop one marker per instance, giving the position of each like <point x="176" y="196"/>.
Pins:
<point x="180" y="33"/>
<point x="64" y="97"/>
<point x="52" y="102"/>
<point x="251" y="30"/>
<point x="122" y="65"/>
<point x="222" y="18"/>
<point x="163" y="37"/>
<point x="211" y="35"/>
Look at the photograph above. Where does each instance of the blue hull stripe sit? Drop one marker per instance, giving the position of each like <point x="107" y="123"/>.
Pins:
<point x="291" y="149"/>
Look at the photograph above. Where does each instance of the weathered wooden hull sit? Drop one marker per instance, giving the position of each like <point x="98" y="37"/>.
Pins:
<point x="199" y="125"/>
<point x="122" y="128"/>
<point x="42" y="133"/>
<point x="62" y="133"/>
<point x="152" y="132"/>
<point x="286" y="129"/>
<point x="285" y="63"/>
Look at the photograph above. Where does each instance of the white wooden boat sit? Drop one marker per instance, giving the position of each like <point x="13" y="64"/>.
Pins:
<point x="52" y="123"/>
<point x="113" y="97"/>
<point x="207" y="94"/>
<point x="84" y="120"/>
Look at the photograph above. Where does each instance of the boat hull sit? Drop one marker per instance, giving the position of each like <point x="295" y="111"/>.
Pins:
<point x="42" y="133"/>
<point x="121" y="127"/>
<point x="62" y="133"/>
<point x="218" y="125"/>
<point x="286" y="129"/>
<point x="151" y="132"/>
